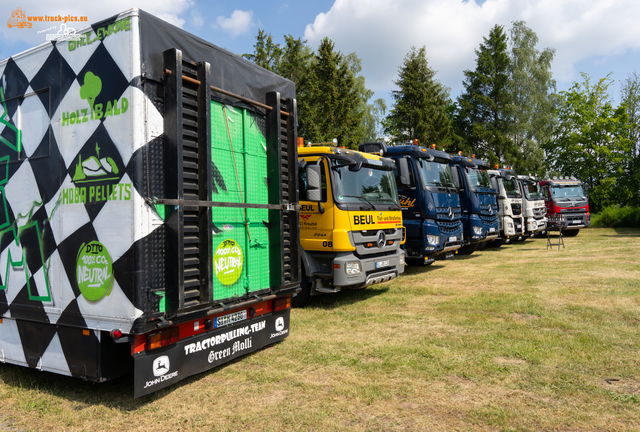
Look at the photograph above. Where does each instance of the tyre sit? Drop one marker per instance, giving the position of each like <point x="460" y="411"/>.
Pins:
<point x="481" y="246"/>
<point x="570" y="233"/>
<point x="303" y="298"/>
<point x="468" y="249"/>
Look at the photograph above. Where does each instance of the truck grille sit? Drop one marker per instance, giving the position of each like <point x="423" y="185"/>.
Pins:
<point x="449" y="227"/>
<point x="539" y="212"/>
<point x="489" y="220"/>
<point x="516" y="209"/>
<point x="443" y="212"/>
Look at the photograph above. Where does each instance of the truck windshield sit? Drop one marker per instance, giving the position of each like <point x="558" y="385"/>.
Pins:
<point x="560" y="192"/>
<point x="371" y="184"/>
<point x="532" y="191"/>
<point x="511" y="187"/>
<point x="435" y="173"/>
<point x="478" y="177"/>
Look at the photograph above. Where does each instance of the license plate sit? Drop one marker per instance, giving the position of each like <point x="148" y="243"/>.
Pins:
<point x="576" y="221"/>
<point x="224" y="320"/>
<point x="380" y="264"/>
<point x="492" y="229"/>
<point x="454" y="238"/>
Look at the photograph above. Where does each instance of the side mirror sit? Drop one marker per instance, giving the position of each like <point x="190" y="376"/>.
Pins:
<point x="508" y="177"/>
<point x="403" y="169"/>
<point x="302" y="164"/>
<point x="314" y="185"/>
<point x="354" y="167"/>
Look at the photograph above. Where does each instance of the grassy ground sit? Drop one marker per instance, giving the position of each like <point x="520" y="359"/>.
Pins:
<point x="515" y="338"/>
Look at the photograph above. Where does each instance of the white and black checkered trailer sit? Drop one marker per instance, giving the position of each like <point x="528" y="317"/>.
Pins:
<point x="117" y="194"/>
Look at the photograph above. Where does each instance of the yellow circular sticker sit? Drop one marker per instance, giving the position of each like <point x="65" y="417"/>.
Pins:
<point x="227" y="262"/>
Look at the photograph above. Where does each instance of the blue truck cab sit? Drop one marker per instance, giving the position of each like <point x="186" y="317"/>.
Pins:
<point x="429" y="199"/>
<point x="479" y="203"/>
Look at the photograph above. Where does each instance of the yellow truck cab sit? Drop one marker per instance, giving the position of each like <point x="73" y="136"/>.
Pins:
<point x="350" y="220"/>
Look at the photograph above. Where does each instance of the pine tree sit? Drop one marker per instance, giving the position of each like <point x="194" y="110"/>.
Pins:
<point x="420" y="105"/>
<point x="484" y="120"/>
<point x="330" y="109"/>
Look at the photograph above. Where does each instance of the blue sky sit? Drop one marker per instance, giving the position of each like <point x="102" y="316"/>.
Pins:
<point x="593" y="36"/>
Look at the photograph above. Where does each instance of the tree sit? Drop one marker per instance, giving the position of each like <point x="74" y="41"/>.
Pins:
<point x="484" y="119"/>
<point x="532" y="98"/>
<point x="630" y="97"/>
<point x="332" y="97"/>
<point x="420" y="105"/>
<point x="591" y="141"/>
<point x="331" y="108"/>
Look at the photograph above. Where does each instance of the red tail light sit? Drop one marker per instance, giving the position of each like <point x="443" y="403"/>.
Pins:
<point x="163" y="338"/>
<point x="281" y="304"/>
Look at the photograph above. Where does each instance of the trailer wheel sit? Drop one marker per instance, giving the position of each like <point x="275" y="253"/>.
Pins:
<point x="303" y="298"/>
<point x="570" y="233"/>
<point x="468" y="249"/>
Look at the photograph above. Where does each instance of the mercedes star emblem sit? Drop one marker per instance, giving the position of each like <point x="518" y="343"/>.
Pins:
<point x="382" y="239"/>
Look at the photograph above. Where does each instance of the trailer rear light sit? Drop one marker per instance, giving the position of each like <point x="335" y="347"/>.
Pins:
<point x="163" y="338"/>
<point x="116" y="334"/>
<point x="281" y="304"/>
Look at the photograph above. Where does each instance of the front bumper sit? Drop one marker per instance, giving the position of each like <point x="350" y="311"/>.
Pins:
<point x="376" y="269"/>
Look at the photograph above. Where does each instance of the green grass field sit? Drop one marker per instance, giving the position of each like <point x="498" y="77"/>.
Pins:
<point x="514" y="338"/>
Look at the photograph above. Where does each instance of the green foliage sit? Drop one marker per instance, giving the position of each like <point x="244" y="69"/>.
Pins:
<point x="617" y="217"/>
<point x="266" y="53"/>
<point x="331" y="109"/>
<point x="332" y="97"/>
<point x="420" y="104"/>
<point x="483" y="119"/>
<point x="591" y="141"/>
<point x="630" y="96"/>
<point x="532" y="98"/>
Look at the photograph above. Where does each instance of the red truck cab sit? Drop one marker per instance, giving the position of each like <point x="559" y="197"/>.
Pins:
<point x="567" y="205"/>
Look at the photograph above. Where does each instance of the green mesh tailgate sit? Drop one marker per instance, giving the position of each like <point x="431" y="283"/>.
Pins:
<point x="239" y="167"/>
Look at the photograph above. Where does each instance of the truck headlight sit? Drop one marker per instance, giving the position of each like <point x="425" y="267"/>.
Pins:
<point x="509" y="225"/>
<point x="433" y="240"/>
<point x="353" y="268"/>
<point x="402" y="259"/>
<point x="533" y="224"/>
<point x="477" y="230"/>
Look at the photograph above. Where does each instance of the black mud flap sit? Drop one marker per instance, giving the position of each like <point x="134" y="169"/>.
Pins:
<point x="163" y="367"/>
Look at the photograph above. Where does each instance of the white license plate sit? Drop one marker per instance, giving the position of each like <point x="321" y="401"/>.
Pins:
<point x="492" y="229"/>
<point x="380" y="264"/>
<point x="576" y="221"/>
<point x="454" y="238"/>
<point x="224" y="320"/>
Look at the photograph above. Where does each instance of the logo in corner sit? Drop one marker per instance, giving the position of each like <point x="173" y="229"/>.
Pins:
<point x="305" y="217"/>
<point x="161" y="366"/>
<point x="279" y="324"/>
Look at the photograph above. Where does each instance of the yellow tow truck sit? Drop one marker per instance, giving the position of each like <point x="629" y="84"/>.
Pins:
<point x="350" y="220"/>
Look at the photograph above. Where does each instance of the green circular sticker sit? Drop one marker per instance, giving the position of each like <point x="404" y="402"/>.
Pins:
<point x="93" y="271"/>
<point x="227" y="262"/>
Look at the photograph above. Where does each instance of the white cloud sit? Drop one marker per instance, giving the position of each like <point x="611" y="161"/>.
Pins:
<point x="382" y="32"/>
<point x="168" y="10"/>
<point x="196" y="18"/>
<point x="240" y="22"/>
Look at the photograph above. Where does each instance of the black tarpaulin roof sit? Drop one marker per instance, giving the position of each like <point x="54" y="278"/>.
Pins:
<point x="229" y="71"/>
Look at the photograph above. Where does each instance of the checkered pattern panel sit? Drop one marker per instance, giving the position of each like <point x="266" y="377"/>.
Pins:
<point x="72" y="121"/>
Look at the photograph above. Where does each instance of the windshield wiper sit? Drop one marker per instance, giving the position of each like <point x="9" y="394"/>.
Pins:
<point x="391" y="201"/>
<point x="362" y="198"/>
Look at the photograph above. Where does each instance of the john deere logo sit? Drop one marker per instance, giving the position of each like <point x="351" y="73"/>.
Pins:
<point x="89" y="91"/>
